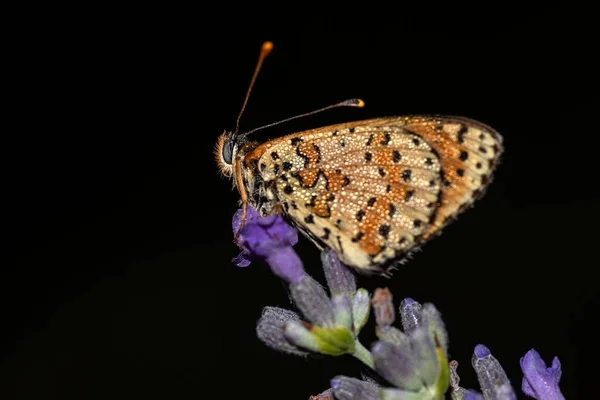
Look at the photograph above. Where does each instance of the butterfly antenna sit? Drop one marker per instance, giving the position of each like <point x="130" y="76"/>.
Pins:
<point x="264" y="52"/>
<point x="346" y="103"/>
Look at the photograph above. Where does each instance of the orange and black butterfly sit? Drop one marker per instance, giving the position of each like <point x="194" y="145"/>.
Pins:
<point x="370" y="190"/>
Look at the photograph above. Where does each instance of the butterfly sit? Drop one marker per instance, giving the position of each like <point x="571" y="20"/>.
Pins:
<point x="374" y="190"/>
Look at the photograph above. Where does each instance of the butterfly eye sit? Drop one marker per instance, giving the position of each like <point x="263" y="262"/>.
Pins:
<point x="228" y="151"/>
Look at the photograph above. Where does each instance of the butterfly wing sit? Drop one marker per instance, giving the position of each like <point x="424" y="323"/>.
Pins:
<point x="373" y="190"/>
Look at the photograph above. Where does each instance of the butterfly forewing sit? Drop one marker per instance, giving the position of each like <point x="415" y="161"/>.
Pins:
<point x="373" y="190"/>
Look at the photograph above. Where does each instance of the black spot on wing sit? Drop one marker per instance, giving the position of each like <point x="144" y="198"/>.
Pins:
<point x="387" y="138"/>
<point x="406" y="174"/>
<point x="358" y="237"/>
<point x="384" y="230"/>
<point x="360" y="215"/>
<point x="461" y="133"/>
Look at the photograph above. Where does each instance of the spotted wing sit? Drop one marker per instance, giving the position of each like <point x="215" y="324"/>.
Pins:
<point x="373" y="190"/>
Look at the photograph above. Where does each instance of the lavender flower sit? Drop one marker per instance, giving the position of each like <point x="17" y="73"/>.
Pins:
<point x="269" y="239"/>
<point x="540" y="382"/>
<point x="413" y="360"/>
<point x="331" y="323"/>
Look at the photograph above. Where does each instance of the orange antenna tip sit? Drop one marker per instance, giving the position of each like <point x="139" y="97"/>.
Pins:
<point x="352" y="103"/>
<point x="346" y="103"/>
<point x="266" y="48"/>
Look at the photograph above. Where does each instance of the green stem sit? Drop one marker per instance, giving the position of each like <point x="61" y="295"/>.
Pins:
<point x="363" y="354"/>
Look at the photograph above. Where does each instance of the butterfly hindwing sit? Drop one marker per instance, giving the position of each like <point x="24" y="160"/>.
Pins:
<point x="373" y="190"/>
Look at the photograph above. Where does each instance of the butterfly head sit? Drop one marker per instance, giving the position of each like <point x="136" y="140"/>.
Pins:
<point x="226" y="150"/>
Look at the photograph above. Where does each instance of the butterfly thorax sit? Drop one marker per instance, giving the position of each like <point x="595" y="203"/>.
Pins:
<point x="258" y="183"/>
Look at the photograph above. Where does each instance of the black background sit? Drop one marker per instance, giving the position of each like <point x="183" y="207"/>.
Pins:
<point x="116" y="274"/>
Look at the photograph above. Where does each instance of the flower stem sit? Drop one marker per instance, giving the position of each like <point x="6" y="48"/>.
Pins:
<point x="363" y="354"/>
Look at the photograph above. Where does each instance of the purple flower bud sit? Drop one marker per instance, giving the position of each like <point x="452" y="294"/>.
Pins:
<point x="312" y="300"/>
<point x="286" y="264"/>
<point x="340" y="278"/>
<point x="540" y="382"/>
<point x="342" y="310"/>
<point x="360" y="309"/>
<point x="392" y="335"/>
<point x="425" y="354"/>
<point x="410" y="312"/>
<point x="346" y="388"/>
<point x="397" y="365"/>
<point x="481" y="351"/>
<point x="492" y="378"/>
<point x="270" y="329"/>
<point x="431" y="318"/>
<point x="269" y="239"/>
<point x="383" y="308"/>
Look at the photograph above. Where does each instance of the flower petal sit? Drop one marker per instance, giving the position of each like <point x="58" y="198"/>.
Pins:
<point x="280" y="229"/>
<point x="260" y="237"/>
<point x="269" y="239"/>
<point x="538" y="381"/>
<point x="243" y="259"/>
<point x="286" y="264"/>
<point x="236" y="222"/>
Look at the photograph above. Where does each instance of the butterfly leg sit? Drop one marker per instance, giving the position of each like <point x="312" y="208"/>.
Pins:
<point x="277" y="209"/>
<point x="239" y="182"/>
